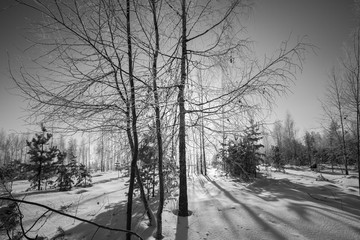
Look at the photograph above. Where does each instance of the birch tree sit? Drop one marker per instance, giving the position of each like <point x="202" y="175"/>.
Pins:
<point x="334" y="107"/>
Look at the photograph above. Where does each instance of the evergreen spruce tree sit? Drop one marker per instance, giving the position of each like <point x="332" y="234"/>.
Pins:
<point x="147" y="158"/>
<point x="72" y="165"/>
<point x="242" y="155"/>
<point x="252" y="147"/>
<point x="64" y="176"/>
<point x="83" y="176"/>
<point x="41" y="167"/>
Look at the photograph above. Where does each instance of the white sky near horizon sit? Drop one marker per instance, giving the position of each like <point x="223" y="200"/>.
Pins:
<point x="327" y="24"/>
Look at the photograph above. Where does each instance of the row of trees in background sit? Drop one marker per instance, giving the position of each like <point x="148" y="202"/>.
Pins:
<point x="326" y="146"/>
<point x="96" y="151"/>
<point x="12" y="147"/>
<point x="339" y="142"/>
<point x="335" y="145"/>
<point x="48" y="166"/>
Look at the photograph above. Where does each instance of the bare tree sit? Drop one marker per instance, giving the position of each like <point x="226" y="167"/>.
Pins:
<point x="183" y="198"/>
<point x="351" y="64"/>
<point x="277" y="133"/>
<point x="334" y="108"/>
<point x="154" y="7"/>
<point x="289" y="137"/>
<point x="87" y="81"/>
<point x="247" y="88"/>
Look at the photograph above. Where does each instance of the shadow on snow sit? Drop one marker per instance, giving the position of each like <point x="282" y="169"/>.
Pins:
<point x="114" y="217"/>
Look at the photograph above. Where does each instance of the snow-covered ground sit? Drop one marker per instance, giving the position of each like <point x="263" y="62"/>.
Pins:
<point x="291" y="205"/>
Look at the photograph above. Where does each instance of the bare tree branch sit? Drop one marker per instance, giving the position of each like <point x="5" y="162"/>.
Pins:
<point x="70" y="216"/>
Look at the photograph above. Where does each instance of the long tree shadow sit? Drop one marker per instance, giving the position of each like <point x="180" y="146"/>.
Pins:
<point x="328" y="201"/>
<point x="114" y="217"/>
<point x="255" y="216"/>
<point x="212" y="200"/>
<point x="182" y="228"/>
<point x="329" y="194"/>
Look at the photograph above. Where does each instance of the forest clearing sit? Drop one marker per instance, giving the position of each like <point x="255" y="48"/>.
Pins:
<point x="277" y="205"/>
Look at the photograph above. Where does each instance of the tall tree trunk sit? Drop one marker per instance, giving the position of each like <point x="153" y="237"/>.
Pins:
<point x="183" y="198"/>
<point x="357" y="128"/>
<point x="204" y="155"/>
<point x="148" y="210"/>
<point x="40" y="166"/>
<point x="358" y="138"/>
<point x="201" y="151"/>
<point x="202" y="135"/>
<point x="343" y="144"/>
<point x="88" y="162"/>
<point x="173" y="139"/>
<point x="357" y="56"/>
<point x="158" y="234"/>
<point x="133" y="124"/>
<point x="39" y="176"/>
<point x="339" y="107"/>
<point x="102" y="152"/>
<point x="133" y="140"/>
<point x="197" y="164"/>
<point x="137" y="175"/>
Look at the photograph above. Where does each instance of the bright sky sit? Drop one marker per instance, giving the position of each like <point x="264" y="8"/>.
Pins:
<point x="327" y="23"/>
<point x="12" y="107"/>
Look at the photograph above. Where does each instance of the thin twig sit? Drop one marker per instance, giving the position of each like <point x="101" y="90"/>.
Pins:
<point x="97" y="229"/>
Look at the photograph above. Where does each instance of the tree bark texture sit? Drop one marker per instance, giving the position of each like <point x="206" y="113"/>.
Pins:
<point x="183" y="198"/>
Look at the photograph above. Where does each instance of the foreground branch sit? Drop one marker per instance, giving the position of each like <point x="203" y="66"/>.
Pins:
<point x="70" y="216"/>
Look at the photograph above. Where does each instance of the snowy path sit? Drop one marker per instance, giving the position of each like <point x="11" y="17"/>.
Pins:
<point x="267" y="209"/>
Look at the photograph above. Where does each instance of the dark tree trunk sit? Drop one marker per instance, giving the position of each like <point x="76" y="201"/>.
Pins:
<point x="357" y="129"/>
<point x="338" y="99"/>
<point x="201" y="153"/>
<point x="203" y="145"/>
<point x="357" y="97"/>
<point x="158" y="234"/>
<point x="133" y="115"/>
<point x="183" y="198"/>
<point x="133" y="140"/>
<point x="39" y="176"/>
<point x="143" y="197"/>
<point x="40" y="167"/>
<point x="197" y="164"/>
